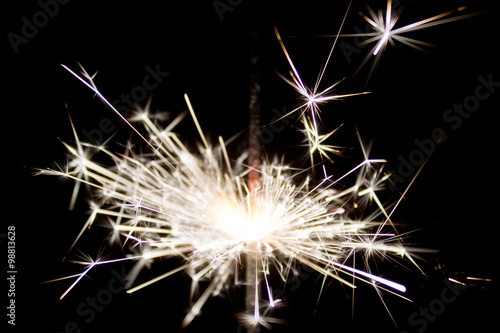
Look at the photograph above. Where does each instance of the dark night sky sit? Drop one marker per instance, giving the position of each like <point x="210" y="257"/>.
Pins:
<point x="451" y="204"/>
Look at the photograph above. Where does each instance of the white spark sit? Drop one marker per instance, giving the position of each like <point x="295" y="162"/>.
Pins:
<point x="385" y="31"/>
<point x="196" y="205"/>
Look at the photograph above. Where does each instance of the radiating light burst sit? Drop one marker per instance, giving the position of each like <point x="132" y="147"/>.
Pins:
<point x="385" y="31"/>
<point x="176" y="202"/>
<point x="384" y="27"/>
<point x="309" y="101"/>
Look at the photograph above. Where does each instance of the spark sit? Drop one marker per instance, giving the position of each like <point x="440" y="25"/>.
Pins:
<point x="478" y="279"/>
<point x="385" y="31"/>
<point x="316" y="140"/>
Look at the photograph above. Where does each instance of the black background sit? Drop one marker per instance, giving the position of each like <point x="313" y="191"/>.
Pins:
<point x="452" y="203"/>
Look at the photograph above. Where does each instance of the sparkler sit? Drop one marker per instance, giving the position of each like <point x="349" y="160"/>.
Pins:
<point x="198" y="205"/>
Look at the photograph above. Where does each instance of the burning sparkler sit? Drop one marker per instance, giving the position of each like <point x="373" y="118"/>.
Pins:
<point x="384" y="31"/>
<point x="197" y="207"/>
<point x="200" y="206"/>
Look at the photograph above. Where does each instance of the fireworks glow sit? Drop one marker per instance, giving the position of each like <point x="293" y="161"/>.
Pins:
<point x="197" y="205"/>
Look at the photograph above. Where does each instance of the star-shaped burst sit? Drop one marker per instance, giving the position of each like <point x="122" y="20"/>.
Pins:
<point x="316" y="141"/>
<point x="385" y="31"/>
<point x="309" y="108"/>
<point x="173" y="202"/>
